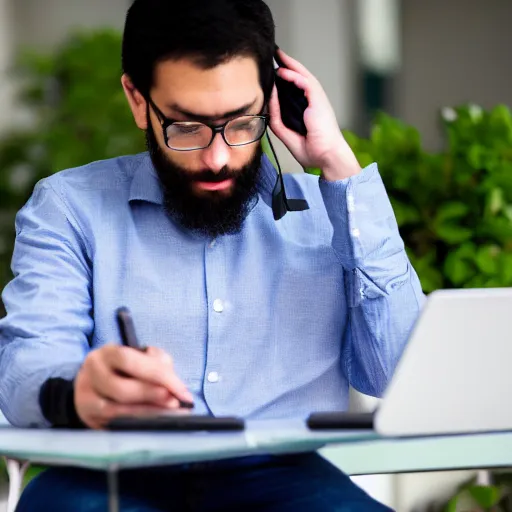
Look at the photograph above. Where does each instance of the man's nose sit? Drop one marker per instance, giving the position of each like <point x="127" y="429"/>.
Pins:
<point x="216" y="156"/>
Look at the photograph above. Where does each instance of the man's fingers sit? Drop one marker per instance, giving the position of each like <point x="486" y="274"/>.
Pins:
<point x="276" y="123"/>
<point x="299" y="80"/>
<point x="160" y="354"/>
<point x="152" y="369"/>
<point x="294" y="65"/>
<point x="125" y="390"/>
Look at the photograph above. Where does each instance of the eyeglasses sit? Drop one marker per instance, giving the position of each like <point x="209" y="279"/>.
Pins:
<point x="192" y="136"/>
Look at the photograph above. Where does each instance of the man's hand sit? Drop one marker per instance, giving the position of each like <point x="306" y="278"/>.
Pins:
<point x="324" y="147"/>
<point x="116" y="381"/>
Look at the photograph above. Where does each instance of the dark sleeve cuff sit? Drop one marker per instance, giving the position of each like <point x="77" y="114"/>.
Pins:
<point x="57" y="402"/>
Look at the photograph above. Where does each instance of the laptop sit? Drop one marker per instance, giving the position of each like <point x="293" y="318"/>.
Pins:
<point x="455" y="375"/>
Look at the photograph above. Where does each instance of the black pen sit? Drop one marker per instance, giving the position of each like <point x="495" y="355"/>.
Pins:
<point x="127" y="329"/>
<point x="129" y="339"/>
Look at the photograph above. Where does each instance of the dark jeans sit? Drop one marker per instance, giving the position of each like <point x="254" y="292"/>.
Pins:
<point x="297" y="483"/>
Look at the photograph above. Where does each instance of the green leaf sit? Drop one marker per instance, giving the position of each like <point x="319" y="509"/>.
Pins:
<point x="458" y="267"/>
<point x="506" y="269"/>
<point x="486" y="496"/>
<point x="453" y="235"/>
<point x="500" y="123"/>
<point x="430" y="277"/>
<point x="478" y="156"/>
<point x="351" y="138"/>
<point x="479" y="281"/>
<point x="451" y="211"/>
<point x="488" y="258"/>
<point x="405" y="213"/>
<point x="32" y="472"/>
<point x="445" y="223"/>
<point x="452" y="505"/>
<point x="497" y="229"/>
<point x="496" y="201"/>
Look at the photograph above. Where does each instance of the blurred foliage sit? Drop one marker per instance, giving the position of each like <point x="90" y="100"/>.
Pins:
<point x="474" y="497"/>
<point x="78" y="114"/>
<point x="454" y="208"/>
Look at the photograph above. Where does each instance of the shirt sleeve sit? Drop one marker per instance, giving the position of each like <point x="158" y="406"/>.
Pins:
<point x="383" y="290"/>
<point x="45" y="334"/>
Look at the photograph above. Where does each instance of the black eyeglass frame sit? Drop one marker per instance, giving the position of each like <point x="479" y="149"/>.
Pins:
<point x="165" y="122"/>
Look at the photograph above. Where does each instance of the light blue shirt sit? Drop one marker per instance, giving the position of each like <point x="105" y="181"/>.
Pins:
<point x="276" y="321"/>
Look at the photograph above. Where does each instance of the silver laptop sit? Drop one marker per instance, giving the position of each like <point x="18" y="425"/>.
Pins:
<point x="456" y="373"/>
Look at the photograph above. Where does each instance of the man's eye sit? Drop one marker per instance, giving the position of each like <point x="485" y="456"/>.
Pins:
<point x="244" y="126"/>
<point x="247" y="125"/>
<point x="187" y="129"/>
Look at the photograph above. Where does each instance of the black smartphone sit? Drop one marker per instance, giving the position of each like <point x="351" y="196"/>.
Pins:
<point x="292" y="100"/>
<point x="177" y="422"/>
<point x="340" y="421"/>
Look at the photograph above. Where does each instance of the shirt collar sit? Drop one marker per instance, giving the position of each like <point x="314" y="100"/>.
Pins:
<point x="146" y="185"/>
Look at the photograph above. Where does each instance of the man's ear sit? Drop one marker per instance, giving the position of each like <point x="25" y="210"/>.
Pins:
<point x="136" y="101"/>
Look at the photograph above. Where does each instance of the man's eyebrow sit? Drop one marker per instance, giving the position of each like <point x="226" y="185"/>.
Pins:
<point x="194" y="116"/>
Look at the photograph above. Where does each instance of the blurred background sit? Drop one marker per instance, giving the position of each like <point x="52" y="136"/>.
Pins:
<point x="422" y="87"/>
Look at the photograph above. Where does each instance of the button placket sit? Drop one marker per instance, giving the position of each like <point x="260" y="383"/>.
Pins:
<point x="216" y="279"/>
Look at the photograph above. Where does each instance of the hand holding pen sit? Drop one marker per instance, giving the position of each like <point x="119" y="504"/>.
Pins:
<point x="127" y="380"/>
<point x="129" y="339"/>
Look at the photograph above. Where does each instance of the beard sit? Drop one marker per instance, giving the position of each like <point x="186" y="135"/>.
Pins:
<point x="212" y="214"/>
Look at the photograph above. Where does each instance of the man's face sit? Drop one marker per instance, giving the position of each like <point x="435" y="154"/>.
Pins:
<point x="207" y="190"/>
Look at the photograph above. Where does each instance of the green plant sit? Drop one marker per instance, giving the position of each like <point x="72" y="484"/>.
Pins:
<point x="474" y="497"/>
<point x="454" y="208"/>
<point x="78" y="114"/>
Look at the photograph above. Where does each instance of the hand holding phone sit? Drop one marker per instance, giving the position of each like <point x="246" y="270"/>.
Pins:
<point x="319" y="142"/>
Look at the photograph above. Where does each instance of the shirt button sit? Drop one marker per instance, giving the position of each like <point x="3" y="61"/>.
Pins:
<point x="213" y="377"/>
<point x="212" y="244"/>
<point x="218" y="306"/>
<point x="356" y="233"/>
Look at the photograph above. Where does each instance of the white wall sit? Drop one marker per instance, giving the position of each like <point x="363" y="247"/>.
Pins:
<point x="6" y="55"/>
<point x="453" y="52"/>
<point x="43" y="23"/>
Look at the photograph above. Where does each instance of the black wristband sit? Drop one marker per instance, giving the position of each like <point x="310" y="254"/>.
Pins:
<point x="57" y="401"/>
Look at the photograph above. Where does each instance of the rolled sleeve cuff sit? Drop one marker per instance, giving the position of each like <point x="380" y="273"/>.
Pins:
<point x="366" y="238"/>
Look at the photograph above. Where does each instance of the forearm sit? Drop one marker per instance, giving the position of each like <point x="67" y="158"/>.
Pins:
<point x="383" y="291"/>
<point x="29" y="396"/>
<point x="45" y="334"/>
<point x="377" y="332"/>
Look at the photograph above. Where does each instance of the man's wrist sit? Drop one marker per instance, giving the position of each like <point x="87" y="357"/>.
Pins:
<point x="340" y="164"/>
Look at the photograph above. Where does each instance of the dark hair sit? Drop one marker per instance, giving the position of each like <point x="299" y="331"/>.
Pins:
<point x="209" y="31"/>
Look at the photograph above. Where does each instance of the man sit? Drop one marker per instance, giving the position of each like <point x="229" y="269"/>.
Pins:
<point x="242" y="314"/>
